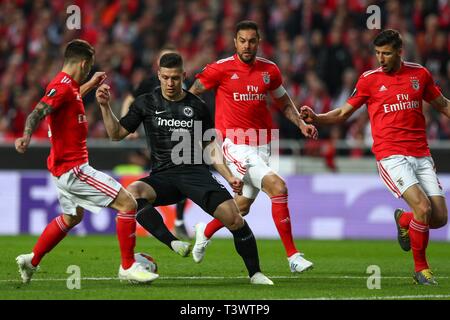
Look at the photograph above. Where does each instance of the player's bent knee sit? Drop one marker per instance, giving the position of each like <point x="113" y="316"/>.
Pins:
<point x="442" y="221"/>
<point x="425" y="209"/>
<point x="125" y="201"/>
<point x="135" y="190"/>
<point x="280" y="187"/>
<point x="274" y="186"/>
<point x="228" y="214"/>
<point x="244" y="209"/>
<point x="140" y="190"/>
<point x="236" y="222"/>
<point x="438" y="222"/>
<point x="72" y="221"/>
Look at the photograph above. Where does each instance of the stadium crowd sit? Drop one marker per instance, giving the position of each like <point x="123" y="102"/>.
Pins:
<point x="321" y="48"/>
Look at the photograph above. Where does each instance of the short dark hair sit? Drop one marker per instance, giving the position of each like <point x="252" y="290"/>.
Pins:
<point x="77" y="50"/>
<point x="247" y="25"/>
<point x="171" y="60"/>
<point x="388" y="37"/>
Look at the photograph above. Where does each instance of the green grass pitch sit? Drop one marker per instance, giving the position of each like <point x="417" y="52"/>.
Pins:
<point x="340" y="271"/>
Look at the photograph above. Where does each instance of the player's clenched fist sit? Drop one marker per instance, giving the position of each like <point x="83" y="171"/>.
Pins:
<point x="102" y="94"/>
<point x="22" y="144"/>
<point x="236" y="184"/>
<point x="307" y="114"/>
<point x="310" y="131"/>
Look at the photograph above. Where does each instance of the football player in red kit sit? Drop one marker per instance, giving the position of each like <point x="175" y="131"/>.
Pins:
<point x="242" y="83"/>
<point x="79" y="185"/>
<point x="393" y="94"/>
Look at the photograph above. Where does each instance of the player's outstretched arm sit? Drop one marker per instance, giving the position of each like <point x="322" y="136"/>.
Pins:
<point x="97" y="79"/>
<point x="197" y="87"/>
<point x="441" y="104"/>
<point x="289" y="110"/>
<point x="115" y="131"/>
<point x="338" y="115"/>
<point x="126" y="104"/>
<point x="129" y="99"/>
<point x="217" y="160"/>
<point x="34" y="118"/>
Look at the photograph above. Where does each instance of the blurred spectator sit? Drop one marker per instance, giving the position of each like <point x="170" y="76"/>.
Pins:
<point x="320" y="46"/>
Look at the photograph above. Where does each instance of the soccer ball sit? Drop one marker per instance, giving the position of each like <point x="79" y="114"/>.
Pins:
<point x="147" y="261"/>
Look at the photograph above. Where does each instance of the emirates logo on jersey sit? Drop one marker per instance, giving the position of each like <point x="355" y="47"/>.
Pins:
<point x="266" y="77"/>
<point x="415" y="84"/>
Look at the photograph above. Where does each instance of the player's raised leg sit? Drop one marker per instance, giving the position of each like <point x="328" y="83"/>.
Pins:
<point x="276" y="189"/>
<point x="150" y="219"/>
<point x="402" y="220"/>
<point x="129" y="269"/>
<point x="53" y="233"/>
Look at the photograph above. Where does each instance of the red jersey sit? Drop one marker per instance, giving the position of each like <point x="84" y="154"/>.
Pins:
<point x="394" y="103"/>
<point x="241" y="92"/>
<point x="68" y="126"/>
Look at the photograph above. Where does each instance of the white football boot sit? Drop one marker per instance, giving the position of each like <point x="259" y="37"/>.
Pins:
<point x="299" y="264"/>
<point x="260" y="278"/>
<point x="26" y="269"/>
<point x="181" y="247"/>
<point x="201" y="242"/>
<point x="136" y="274"/>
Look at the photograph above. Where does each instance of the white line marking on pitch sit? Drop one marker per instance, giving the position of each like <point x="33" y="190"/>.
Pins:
<point x="219" y="278"/>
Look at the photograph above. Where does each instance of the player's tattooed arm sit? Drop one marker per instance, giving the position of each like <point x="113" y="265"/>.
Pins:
<point x="197" y="87"/>
<point x="35" y="117"/>
<point x="442" y="104"/>
<point x="33" y="120"/>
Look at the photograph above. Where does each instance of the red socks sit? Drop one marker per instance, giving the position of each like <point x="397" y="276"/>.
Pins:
<point x="55" y="231"/>
<point x="419" y="234"/>
<point x="126" y="234"/>
<point x="212" y="227"/>
<point x="280" y="215"/>
<point x="405" y="219"/>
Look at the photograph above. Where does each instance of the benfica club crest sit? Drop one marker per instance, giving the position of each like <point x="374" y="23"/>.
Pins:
<point x="415" y="84"/>
<point x="266" y="77"/>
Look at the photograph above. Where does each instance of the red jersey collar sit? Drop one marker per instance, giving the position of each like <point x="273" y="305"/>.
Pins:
<point x="240" y="62"/>
<point x="76" y="84"/>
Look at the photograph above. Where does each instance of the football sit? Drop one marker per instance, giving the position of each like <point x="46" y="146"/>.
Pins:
<point x="147" y="261"/>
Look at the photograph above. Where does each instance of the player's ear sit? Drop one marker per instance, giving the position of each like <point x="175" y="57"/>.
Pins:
<point x="184" y="75"/>
<point x="159" y="75"/>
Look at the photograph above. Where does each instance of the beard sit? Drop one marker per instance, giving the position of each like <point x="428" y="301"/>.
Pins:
<point x="249" y="57"/>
